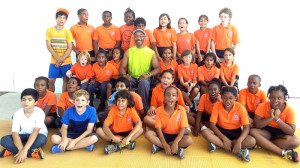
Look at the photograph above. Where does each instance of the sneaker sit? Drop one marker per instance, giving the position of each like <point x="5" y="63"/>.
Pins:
<point x="38" y="153"/>
<point x="112" y="148"/>
<point x="131" y="145"/>
<point x="155" y="148"/>
<point x="90" y="148"/>
<point x="180" y="153"/>
<point x="194" y="108"/>
<point x="291" y="155"/>
<point x="56" y="149"/>
<point x="4" y="152"/>
<point x="212" y="147"/>
<point x="244" y="154"/>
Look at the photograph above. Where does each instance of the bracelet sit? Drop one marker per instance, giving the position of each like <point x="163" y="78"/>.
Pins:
<point x="149" y="75"/>
<point x="278" y="120"/>
<point x="123" y="74"/>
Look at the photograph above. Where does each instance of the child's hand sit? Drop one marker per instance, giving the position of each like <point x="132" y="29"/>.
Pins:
<point x="237" y="147"/>
<point x="187" y="109"/>
<point x="117" y="139"/>
<point x="151" y="111"/>
<point x="272" y="113"/>
<point x="218" y="60"/>
<point x="92" y="82"/>
<point x="227" y="145"/>
<point x="126" y="140"/>
<point x="63" y="144"/>
<point x="167" y="149"/>
<point x="143" y="77"/>
<point x="21" y="156"/>
<point x="174" y="148"/>
<point x="195" y="132"/>
<point x="71" y="145"/>
<point x="276" y="114"/>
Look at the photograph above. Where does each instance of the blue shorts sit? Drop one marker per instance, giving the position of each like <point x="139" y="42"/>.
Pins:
<point x="59" y="71"/>
<point x="74" y="135"/>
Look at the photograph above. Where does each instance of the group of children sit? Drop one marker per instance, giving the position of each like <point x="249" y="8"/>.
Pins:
<point x="190" y="63"/>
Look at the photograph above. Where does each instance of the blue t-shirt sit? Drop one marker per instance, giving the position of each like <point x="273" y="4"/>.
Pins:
<point x="78" y="123"/>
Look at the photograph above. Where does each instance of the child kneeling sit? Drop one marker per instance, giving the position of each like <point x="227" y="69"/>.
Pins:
<point x="118" y="126"/>
<point x="170" y="123"/>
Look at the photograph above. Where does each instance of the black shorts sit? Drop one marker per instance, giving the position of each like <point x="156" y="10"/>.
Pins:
<point x="183" y="89"/>
<point x="235" y="84"/>
<point x="122" y="134"/>
<point x="53" y="115"/>
<point x="220" y="53"/>
<point x="275" y="132"/>
<point x="171" y="137"/>
<point x="230" y="134"/>
<point x="251" y="115"/>
<point x="205" y="117"/>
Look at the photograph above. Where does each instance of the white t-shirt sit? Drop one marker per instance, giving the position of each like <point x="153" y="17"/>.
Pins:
<point x="25" y="125"/>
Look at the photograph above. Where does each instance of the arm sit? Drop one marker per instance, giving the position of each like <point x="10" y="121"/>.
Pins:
<point x="213" y="49"/>
<point x="50" y="49"/>
<point x="69" y="74"/>
<point x="124" y="64"/>
<point x="238" y="144"/>
<point x="286" y="128"/>
<point x="60" y="111"/>
<point x="84" y="81"/>
<point x="47" y="109"/>
<point x="198" y="51"/>
<point x="64" y="139"/>
<point x="136" y="128"/>
<point x="88" y="130"/>
<point x="95" y="46"/>
<point x="108" y="132"/>
<point x="235" y="46"/>
<point x="226" y="141"/>
<point x="174" y="50"/>
<point x="161" y="137"/>
<point x="174" y="146"/>
<point x="233" y="80"/>
<point x="208" y="46"/>
<point x="198" y="125"/>
<point x="118" y="44"/>
<point x="184" y="83"/>
<point x="75" y="49"/>
<point x="153" y="47"/>
<point x="68" y="52"/>
<point x="151" y="110"/>
<point x="260" y="122"/>
<point x="224" y="80"/>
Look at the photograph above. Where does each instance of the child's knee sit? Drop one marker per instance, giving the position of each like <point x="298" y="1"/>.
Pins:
<point x="55" y="139"/>
<point x="94" y="139"/>
<point x="188" y="140"/>
<point x="293" y="142"/>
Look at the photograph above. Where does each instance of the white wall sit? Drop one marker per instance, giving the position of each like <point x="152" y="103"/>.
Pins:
<point x="268" y="31"/>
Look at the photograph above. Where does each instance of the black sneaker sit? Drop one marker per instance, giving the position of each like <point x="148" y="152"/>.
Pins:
<point x="112" y="148"/>
<point x="194" y="107"/>
<point x="155" y="148"/>
<point x="212" y="147"/>
<point x="180" y="153"/>
<point x="131" y="145"/>
<point x="291" y="155"/>
<point x="244" y="154"/>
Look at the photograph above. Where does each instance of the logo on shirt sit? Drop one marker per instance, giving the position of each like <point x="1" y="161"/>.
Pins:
<point x="258" y="101"/>
<point x="212" y="75"/>
<point x="85" y="73"/>
<point x="178" y="117"/>
<point x="192" y="72"/>
<point x="112" y="33"/>
<point x="230" y="34"/>
<point x="45" y="104"/>
<point x="187" y="41"/>
<point x="107" y="72"/>
<point x="129" y="120"/>
<point x="89" y="29"/>
<point x="236" y="117"/>
<point x="172" y="68"/>
<point x="147" y="37"/>
<point x="169" y="34"/>
<point x="206" y="35"/>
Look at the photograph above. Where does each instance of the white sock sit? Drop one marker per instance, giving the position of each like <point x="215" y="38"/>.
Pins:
<point x="282" y="153"/>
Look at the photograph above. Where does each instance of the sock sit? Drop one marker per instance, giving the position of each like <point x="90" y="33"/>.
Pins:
<point x="282" y="153"/>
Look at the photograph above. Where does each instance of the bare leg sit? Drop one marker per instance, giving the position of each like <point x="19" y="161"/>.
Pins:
<point x="108" y="91"/>
<point x="186" y="99"/>
<point x="248" y="142"/>
<point x="102" y="134"/>
<point x="191" y="118"/>
<point x="49" y="120"/>
<point x="149" y="121"/>
<point x="287" y="142"/>
<point x="139" y="133"/>
<point x="85" y="142"/>
<point x="65" y="82"/>
<point x="153" y="138"/>
<point x="194" y="93"/>
<point x="210" y="136"/>
<point x="52" y="84"/>
<point x="185" y="141"/>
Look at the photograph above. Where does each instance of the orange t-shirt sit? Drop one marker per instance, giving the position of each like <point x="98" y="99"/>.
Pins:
<point x="157" y="98"/>
<point x="49" y="99"/>
<point x="82" y="72"/>
<point x="207" y="75"/>
<point x="105" y="74"/>
<point x="288" y="114"/>
<point x="118" y="123"/>
<point x="117" y="66"/>
<point x="173" y="65"/>
<point x="107" y="37"/>
<point x="171" y="124"/>
<point x="233" y="119"/>
<point x="65" y="101"/>
<point x="187" y="73"/>
<point x="251" y="101"/>
<point x="126" y="32"/>
<point x="228" y="72"/>
<point x="203" y="36"/>
<point x="205" y="104"/>
<point x="164" y="38"/>
<point x="224" y="37"/>
<point x="186" y="41"/>
<point x="149" y="39"/>
<point x="83" y="37"/>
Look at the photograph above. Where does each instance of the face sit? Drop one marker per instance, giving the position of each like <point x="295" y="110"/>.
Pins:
<point x="101" y="59"/>
<point x="182" y="25"/>
<point x="128" y="18"/>
<point x="224" y="18"/>
<point x="253" y="84"/>
<point x="40" y="86"/>
<point x="122" y="104"/>
<point x="72" y="85"/>
<point x="167" y="54"/>
<point x="28" y="102"/>
<point x="203" y="22"/>
<point x="116" y="55"/>
<point x="61" y="20"/>
<point x="84" y="16"/>
<point x="164" y="21"/>
<point x="106" y="18"/>
<point x="187" y="59"/>
<point x="228" y="56"/>
<point x="83" y="60"/>
<point x="140" y="26"/>
<point x="209" y="62"/>
<point x="166" y="80"/>
<point x="277" y="99"/>
<point x="139" y="38"/>
<point x="228" y="100"/>
<point x="81" y="103"/>
<point x="213" y="90"/>
<point x="120" y="86"/>
<point x="171" y="97"/>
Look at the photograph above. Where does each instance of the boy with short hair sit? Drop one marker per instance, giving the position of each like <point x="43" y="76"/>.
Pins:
<point x="29" y="132"/>
<point x="83" y="33"/>
<point x="82" y="118"/>
<point x="224" y="35"/>
<point x="59" y="43"/>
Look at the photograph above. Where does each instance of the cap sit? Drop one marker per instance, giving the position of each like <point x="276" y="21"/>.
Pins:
<point x="140" y="31"/>
<point x="63" y="10"/>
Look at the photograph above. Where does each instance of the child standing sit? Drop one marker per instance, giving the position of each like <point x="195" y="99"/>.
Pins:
<point x="170" y="123"/>
<point x="185" y="40"/>
<point x="187" y="75"/>
<point x="47" y="100"/>
<point x="127" y="29"/>
<point x="227" y="118"/>
<point x="275" y="123"/>
<point x="208" y="70"/>
<point x="82" y="69"/>
<point x="224" y="35"/>
<point x="118" y="126"/>
<point x="59" y="43"/>
<point x="107" y="36"/>
<point x="168" y="63"/>
<point x="29" y="132"/>
<point x="165" y="35"/>
<point x="83" y="33"/>
<point x="82" y="118"/>
<point x="203" y="38"/>
<point x="229" y="70"/>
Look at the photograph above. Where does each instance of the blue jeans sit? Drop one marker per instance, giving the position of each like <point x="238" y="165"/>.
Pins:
<point x="8" y="143"/>
<point x="84" y="85"/>
<point x="102" y="88"/>
<point x="143" y="90"/>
